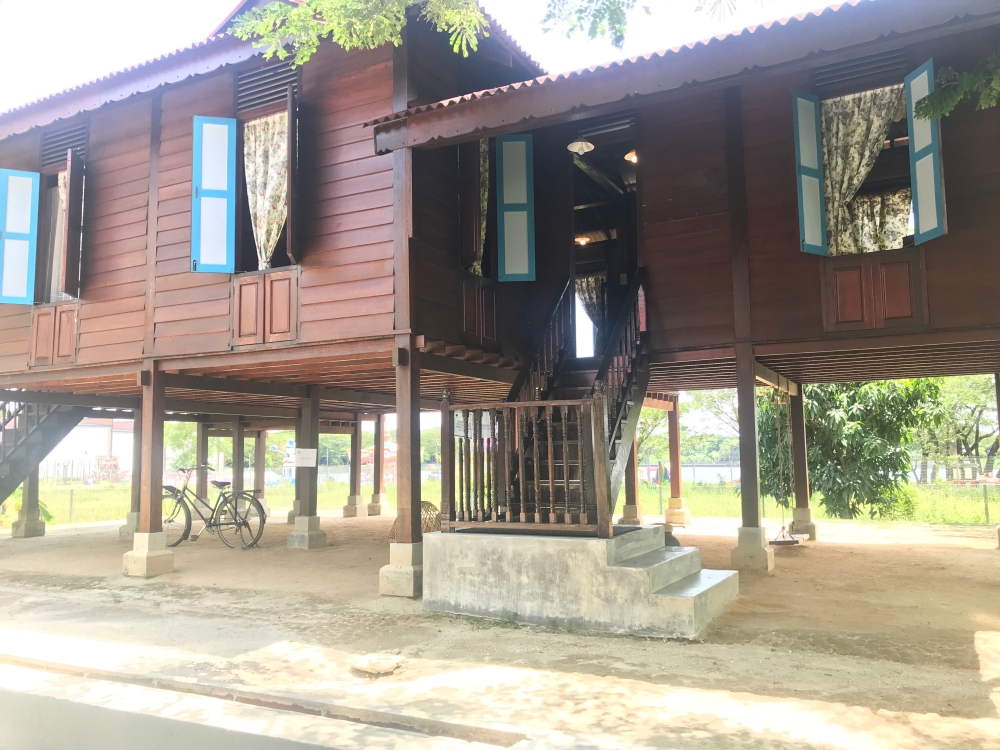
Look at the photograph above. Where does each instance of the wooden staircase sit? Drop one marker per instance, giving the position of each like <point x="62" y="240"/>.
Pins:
<point x="554" y="454"/>
<point x="28" y="433"/>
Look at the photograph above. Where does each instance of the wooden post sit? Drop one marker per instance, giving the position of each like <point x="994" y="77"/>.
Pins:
<point x="149" y="555"/>
<point x="260" y="465"/>
<point x="307" y="436"/>
<point x="239" y="457"/>
<point x="632" y="514"/>
<point x="752" y="551"/>
<point x="151" y="491"/>
<point x="307" y="533"/>
<point x="802" y="522"/>
<point x="674" y="434"/>
<point x="355" y="506"/>
<point x="201" y="460"/>
<point x="29" y="522"/>
<point x="136" y="462"/>
<point x="602" y="478"/>
<point x="447" y="463"/>
<point x="378" y="470"/>
<point x="407" y="360"/>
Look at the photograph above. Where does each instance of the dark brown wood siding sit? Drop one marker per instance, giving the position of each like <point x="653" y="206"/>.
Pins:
<point x="685" y="222"/>
<point x="113" y="267"/>
<point x="347" y="278"/>
<point x="191" y="310"/>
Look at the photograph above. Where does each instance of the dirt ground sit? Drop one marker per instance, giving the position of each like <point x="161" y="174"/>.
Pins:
<point x="875" y="637"/>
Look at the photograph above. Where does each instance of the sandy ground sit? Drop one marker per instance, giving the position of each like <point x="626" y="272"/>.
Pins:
<point x="877" y="637"/>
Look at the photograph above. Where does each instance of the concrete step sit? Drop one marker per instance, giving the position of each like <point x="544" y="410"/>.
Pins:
<point x="664" y="566"/>
<point x="689" y="605"/>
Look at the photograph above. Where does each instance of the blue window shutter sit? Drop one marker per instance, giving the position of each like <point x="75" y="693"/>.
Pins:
<point x="925" y="160"/>
<point x="213" y="196"/>
<point x="18" y="236"/>
<point x="516" y="208"/>
<point x="809" y="173"/>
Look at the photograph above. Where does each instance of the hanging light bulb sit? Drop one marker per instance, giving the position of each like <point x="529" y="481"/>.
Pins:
<point x="581" y="241"/>
<point x="580" y="146"/>
<point x="632" y="157"/>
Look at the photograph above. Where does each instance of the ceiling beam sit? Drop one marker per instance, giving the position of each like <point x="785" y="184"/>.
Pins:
<point x="605" y="182"/>
<point x="235" y="410"/>
<point x="71" y="399"/>
<point x="769" y="377"/>
<point x="229" y="385"/>
<point x="464" y="368"/>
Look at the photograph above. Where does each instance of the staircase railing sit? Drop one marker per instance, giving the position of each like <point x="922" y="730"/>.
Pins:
<point x="523" y="465"/>
<point x="17" y="422"/>
<point x="619" y="365"/>
<point x="536" y="374"/>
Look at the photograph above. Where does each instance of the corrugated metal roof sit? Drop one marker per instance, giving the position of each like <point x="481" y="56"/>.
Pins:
<point x="552" y="78"/>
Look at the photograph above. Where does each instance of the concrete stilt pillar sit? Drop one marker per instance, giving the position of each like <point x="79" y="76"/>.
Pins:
<point x="126" y="532"/>
<point x="29" y="521"/>
<point x="378" y="505"/>
<point x="404" y="575"/>
<point x="676" y="514"/>
<point x="356" y="507"/>
<point x="752" y="551"/>
<point x="149" y="556"/>
<point x="307" y="534"/>
<point x="802" y="522"/>
<point x="632" y="512"/>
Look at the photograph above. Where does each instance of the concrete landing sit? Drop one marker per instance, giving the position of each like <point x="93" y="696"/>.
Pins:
<point x="631" y="583"/>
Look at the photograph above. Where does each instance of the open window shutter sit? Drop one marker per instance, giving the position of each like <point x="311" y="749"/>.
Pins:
<point x="213" y="210"/>
<point x="925" y="159"/>
<point x="73" y="225"/>
<point x="516" y="208"/>
<point x="18" y="236"/>
<point x="809" y="173"/>
<point x="293" y="153"/>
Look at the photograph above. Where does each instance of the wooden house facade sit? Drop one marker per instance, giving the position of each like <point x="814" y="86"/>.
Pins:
<point x="699" y="172"/>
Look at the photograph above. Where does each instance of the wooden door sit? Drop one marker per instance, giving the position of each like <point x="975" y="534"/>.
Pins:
<point x="43" y="336"/>
<point x="248" y="310"/>
<point x="64" y="347"/>
<point x="281" y="306"/>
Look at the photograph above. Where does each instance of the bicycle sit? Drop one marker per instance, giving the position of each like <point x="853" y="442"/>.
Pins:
<point x="234" y="515"/>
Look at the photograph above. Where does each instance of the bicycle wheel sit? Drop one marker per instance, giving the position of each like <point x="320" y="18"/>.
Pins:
<point x="252" y="522"/>
<point x="176" y="518"/>
<point x="226" y="523"/>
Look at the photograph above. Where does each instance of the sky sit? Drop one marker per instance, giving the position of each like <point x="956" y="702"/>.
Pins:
<point x="69" y="42"/>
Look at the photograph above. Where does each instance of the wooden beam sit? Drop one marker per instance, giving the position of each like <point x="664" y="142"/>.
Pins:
<point x="229" y="385"/>
<point x="71" y="399"/>
<point x="466" y="369"/>
<point x="746" y="392"/>
<point x="651" y="402"/>
<point x="151" y="491"/>
<point x="602" y="180"/>
<point x="770" y="378"/>
<point x="378" y="473"/>
<point x="800" y="451"/>
<point x="136" y="461"/>
<point x="408" y="441"/>
<point x="307" y="436"/>
<point x="674" y="436"/>
<point x="235" y="410"/>
<point x="739" y="228"/>
<point x="239" y="454"/>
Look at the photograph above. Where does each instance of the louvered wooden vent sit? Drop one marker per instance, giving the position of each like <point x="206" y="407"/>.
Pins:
<point x="55" y="145"/>
<point x="861" y="74"/>
<point x="610" y="124"/>
<point x="263" y="86"/>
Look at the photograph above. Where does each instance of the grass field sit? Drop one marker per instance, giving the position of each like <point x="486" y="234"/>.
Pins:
<point x="932" y="503"/>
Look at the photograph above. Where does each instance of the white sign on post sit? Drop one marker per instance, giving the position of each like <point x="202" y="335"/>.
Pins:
<point x="305" y="458"/>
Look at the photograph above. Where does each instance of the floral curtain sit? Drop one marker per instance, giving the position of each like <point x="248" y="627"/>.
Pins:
<point x="880" y="221"/>
<point x="589" y="290"/>
<point x="265" y="156"/>
<point x="854" y="130"/>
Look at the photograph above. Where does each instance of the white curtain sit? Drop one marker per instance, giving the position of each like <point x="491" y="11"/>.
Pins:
<point x="58" y="197"/>
<point x="265" y="156"/>
<point x="854" y="131"/>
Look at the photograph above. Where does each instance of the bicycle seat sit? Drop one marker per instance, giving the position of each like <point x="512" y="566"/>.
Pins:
<point x="220" y="485"/>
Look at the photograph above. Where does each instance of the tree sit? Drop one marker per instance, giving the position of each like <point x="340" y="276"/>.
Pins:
<point x="859" y="437"/>
<point x="650" y="441"/>
<point x="367" y="24"/>
<point x="719" y="406"/>
<point x="952" y="88"/>
<point x="967" y="424"/>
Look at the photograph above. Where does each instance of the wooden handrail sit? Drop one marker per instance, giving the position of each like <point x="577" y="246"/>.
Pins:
<point x="610" y="351"/>
<point x="548" y="348"/>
